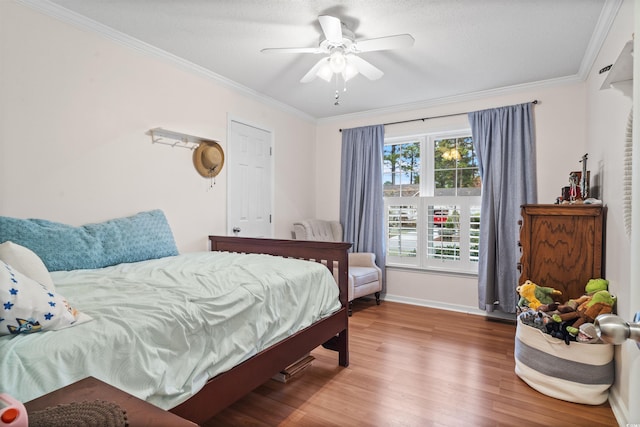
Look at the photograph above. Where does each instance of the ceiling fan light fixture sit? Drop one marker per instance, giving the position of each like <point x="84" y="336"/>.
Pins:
<point x="350" y="71"/>
<point x="337" y="61"/>
<point x="341" y="47"/>
<point x="325" y="72"/>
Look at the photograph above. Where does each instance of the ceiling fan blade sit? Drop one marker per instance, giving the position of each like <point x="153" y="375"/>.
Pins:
<point x="332" y="28"/>
<point x="292" y="50"/>
<point x="365" y="68"/>
<point x="384" y="43"/>
<point x="313" y="72"/>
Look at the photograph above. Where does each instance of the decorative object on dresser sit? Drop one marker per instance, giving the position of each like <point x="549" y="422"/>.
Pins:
<point x="579" y="188"/>
<point x="562" y="246"/>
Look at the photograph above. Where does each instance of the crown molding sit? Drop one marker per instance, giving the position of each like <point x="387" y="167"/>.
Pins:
<point x="65" y="15"/>
<point x="507" y="90"/>
<point x="605" y="21"/>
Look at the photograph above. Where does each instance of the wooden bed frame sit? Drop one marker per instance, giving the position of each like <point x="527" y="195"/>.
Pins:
<point x="333" y="331"/>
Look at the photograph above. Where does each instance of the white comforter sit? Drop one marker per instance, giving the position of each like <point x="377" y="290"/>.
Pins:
<point x="162" y="327"/>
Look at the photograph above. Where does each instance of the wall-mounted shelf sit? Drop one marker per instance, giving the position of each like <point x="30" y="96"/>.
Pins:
<point x="177" y="139"/>
<point x="621" y="73"/>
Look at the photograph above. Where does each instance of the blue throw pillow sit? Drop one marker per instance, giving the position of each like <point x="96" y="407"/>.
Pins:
<point x="140" y="237"/>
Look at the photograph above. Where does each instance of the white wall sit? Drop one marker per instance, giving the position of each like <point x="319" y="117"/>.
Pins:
<point x="607" y="115"/>
<point x="560" y="128"/>
<point x="75" y="110"/>
<point x="632" y="355"/>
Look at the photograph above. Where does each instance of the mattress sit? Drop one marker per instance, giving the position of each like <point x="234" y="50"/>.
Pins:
<point x="161" y="328"/>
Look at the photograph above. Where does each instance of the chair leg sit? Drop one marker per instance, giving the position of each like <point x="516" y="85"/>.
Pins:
<point x="350" y="308"/>
<point x="377" y="298"/>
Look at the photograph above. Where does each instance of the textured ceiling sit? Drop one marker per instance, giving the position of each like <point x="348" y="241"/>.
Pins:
<point x="461" y="47"/>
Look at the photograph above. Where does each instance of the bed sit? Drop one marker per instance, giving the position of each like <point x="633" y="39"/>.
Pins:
<point x="332" y="331"/>
<point x="128" y="306"/>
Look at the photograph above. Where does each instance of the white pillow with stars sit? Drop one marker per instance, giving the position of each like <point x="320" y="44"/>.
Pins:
<point x="26" y="306"/>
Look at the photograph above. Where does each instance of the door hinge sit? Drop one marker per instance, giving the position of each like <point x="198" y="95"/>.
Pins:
<point x="269" y="218"/>
<point x="271" y="151"/>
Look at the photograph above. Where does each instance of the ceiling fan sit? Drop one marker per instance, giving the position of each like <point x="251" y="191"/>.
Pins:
<point x="341" y="49"/>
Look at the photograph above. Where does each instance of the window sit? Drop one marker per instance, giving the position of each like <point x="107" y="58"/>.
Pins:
<point x="432" y="201"/>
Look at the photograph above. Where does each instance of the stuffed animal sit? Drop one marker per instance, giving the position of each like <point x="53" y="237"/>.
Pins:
<point x="549" y="308"/>
<point x="595" y="285"/>
<point x="534" y="296"/>
<point x="588" y="334"/>
<point x="599" y="303"/>
<point x="562" y="330"/>
<point x="569" y="310"/>
<point x="586" y="308"/>
<point x="533" y="319"/>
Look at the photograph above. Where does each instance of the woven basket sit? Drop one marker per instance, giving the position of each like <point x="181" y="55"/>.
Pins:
<point x="579" y="372"/>
<point x="80" y="414"/>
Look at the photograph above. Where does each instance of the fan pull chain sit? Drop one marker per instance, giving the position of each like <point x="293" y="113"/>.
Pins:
<point x="337" y="95"/>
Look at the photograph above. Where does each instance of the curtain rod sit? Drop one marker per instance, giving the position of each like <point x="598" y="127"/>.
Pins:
<point x="535" y="101"/>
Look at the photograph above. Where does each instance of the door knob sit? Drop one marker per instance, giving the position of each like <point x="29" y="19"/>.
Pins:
<point x="613" y="329"/>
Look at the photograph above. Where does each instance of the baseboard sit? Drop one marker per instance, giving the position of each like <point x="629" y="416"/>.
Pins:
<point x="435" y="304"/>
<point x="620" y="410"/>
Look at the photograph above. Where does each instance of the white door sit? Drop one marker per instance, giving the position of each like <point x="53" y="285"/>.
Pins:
<point x="249" y="181"/>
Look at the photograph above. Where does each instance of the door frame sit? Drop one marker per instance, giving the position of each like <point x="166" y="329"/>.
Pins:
<point x="234" y="118"/>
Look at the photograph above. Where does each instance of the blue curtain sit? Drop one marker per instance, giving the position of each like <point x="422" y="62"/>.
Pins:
<point x="361" y="203"/>
<point x="504" y="142"/>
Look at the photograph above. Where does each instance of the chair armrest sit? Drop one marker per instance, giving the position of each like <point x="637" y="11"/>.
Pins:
<point x="362" y="259"/>
<point x="365" y="259"/>
<point x="299" y="231"/>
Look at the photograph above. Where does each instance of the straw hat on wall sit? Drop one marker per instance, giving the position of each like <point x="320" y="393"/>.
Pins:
<point x="208" y="159"/>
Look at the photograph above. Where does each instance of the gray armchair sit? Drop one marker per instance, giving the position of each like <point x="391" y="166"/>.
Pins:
<point x="365" y="278"/>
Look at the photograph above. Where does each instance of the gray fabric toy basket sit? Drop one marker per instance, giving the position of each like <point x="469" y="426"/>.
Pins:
<point x="579" y="372"/>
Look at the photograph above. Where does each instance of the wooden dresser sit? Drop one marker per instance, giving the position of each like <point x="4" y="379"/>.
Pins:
<point x="562" y="246"/>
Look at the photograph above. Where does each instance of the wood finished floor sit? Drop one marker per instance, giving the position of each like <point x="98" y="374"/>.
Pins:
<point x="412" y="366"/>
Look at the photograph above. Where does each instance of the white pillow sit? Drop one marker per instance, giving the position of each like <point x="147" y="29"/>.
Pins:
<point x="26" y="306"/>
<point x="25" y="260"/>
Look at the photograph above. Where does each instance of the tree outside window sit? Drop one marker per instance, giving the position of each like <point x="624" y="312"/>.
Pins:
<point x="401" y="172"/>
<point x="456" y="167"/>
